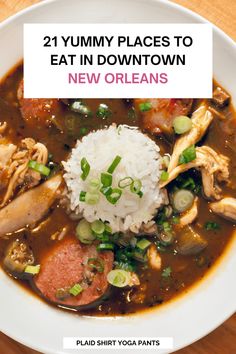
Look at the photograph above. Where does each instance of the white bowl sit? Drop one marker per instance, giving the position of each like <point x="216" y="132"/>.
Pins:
<point x="186" y="319"/>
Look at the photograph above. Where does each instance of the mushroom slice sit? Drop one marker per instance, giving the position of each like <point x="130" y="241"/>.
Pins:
<point x="213" y="167"/>
<point x="190" y="242"/>
<point x="29" y="207"/>
<point x="226" y="208"/>
<point x="201" y="119"/>
<point x="190" y="215"/>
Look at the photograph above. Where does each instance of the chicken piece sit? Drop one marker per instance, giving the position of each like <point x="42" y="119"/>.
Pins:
<point x="6" y="153"/>
<point x="190" y="242"/>
<point x="154" y="258"/>
<point x="160" y="117"/>
<point x="29" y="207"/>
<point x="201" y="119"/>
<point x="37" y="111"/>
<point x="190" y="215"/>
<point x="226" y="208"/>
<point x="134" y="280"/>
<point x="14" y="169"/>
<point x="213" y="167"/>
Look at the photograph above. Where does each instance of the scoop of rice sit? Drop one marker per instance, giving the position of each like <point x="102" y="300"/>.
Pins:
<point x="140" y="160"/>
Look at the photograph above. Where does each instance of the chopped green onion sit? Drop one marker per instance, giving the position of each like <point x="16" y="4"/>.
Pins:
<point x="85" y="167"/>
<point x="76" y="290"/>
<point x="92" y="198"/>
<point x="31" y="269"/>
<point x="182" y="124"/>
<point x="103" y="238"/>
<point x="39" y="167"/>
<point x="79" y="107"/>
<point x="119" y="278"/>
<point x="125" y="182"/>
<point x="175" y="220"/>
<point x="182" y="200"/>
<point x="97" y="264"/>
<point x="188" y="155"/>
<point x="164" y="176"/>
<point x="106" y="190"/>
<point x="139" y="255"/>
<point x="83" y="131"/>
<point x="106" y="179"/>
<point x="114" y="196"/>
<point x="105" y="247"/>
<point x="145" y="106"/>
<point x="211" y="225"/>
<point x="103" y="111"/>
<point x="140" y="194"/>
<point x="82" y="196"/>
<point x="94" y="185"/>
<point x="143" y="244"/>
<point x="108" y="228"/>
<point x="114" y="164"/>
<point x="125" y="266"/>
<point x="166" y="273"/>
<point x="132" y="114"/>
<point x="136" y="186"/>
<point x="84" y="232"/>
<point x="98" y="227"/>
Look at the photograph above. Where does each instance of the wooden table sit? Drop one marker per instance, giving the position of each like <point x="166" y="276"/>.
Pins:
<point x="223" y="14"/>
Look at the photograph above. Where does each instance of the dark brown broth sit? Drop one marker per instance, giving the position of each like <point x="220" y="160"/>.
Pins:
<point x="154" y="290"/>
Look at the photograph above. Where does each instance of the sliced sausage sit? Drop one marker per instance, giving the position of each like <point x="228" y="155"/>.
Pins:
<point x="37" y="111"/>
<point x="67" y="265"/>
<point x="159" y="118"/>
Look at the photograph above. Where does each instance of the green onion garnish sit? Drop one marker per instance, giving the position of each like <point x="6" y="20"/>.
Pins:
<point x="119" y="278"/>
<point x="94" y="185"/>
<point x="182" y="124"/>
<point x="164" y="176"/>
<point x="83" y="131"/>
<point x="76" y="290"/>
<point x="143" y="244"/>
<point x="108" y="229"/>
<point x="97" y="264"/>
<point x="106" y="190"/>
<point x="125" y="182"/>
<point x="114" y="164"/>
<point x="85" y="167"/>
<point x="136" y="186"/>
<point x="39" y="167"/>
<point x="166" y="273"/>
<point x="211" y="225"/>
<point x="140" y="194"/>
<point x="82" y="196"/>
<point x="81" y="108"/>
<point x="84" y="232"/>
<point x="106" y="179"/>
<point x="188" y="155"/>
<point x="103" y="111"/>
<point x="30" y="269"/>
<point x="145" y="106"/>
<point x="92" y="198"/>
<point x="114" y="196"/>
<point x="105" y="246"/>
<point x="98" y="227"/>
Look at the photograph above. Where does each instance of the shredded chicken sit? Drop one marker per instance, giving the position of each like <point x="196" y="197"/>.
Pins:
<point x="14" y="170"/>
<point x="154" y="258"/>
<point x="190" y="215"/>
<point x="226" y="208"/>
<point x="213" y="167"/>
<point x="201" y="120"/>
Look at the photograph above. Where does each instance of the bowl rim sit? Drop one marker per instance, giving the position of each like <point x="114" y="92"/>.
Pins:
<point x="200" y="19"/>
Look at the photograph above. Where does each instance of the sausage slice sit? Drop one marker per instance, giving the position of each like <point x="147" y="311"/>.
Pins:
<point x="67" y="265"/>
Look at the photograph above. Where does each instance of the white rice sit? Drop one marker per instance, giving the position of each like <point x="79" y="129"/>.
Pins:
<point x="140" y="160"/>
